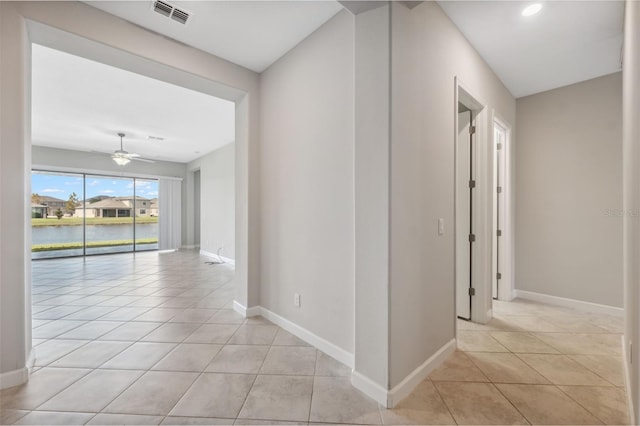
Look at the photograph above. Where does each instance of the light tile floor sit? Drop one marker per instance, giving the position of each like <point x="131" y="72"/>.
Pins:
<point x="152" y="339"/>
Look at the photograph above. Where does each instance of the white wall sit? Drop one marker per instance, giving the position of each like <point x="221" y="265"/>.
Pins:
<point x="372" y="95"/>
<point x="306" y="183"/>
<point x="427" y="52"/>
<point x="80" y="29"/>
<point x="569" y="193"/>
<point x="631" y="184"/>
<point x="15" y="235"/>
<point x="56" y="159"/>
<point x="217" y="200"/>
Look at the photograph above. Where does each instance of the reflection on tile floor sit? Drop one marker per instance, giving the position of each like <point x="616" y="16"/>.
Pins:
<point x="151" y="339"/>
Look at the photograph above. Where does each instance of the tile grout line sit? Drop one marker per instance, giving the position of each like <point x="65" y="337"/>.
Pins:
<point x="445" y="403"/>
<point x="580" y="404"/>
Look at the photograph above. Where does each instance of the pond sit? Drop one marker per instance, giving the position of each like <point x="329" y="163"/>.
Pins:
<point x="71" y="234"/>
<point x="68" y="234"/>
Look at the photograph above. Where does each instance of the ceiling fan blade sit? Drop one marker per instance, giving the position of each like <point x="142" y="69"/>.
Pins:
<point x="144" y="160"/>
<point x="132" y="155"/>
<point x="100" y="152"/>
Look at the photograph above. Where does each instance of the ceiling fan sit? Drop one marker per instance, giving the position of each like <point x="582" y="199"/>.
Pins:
<point x="122" y="157"/>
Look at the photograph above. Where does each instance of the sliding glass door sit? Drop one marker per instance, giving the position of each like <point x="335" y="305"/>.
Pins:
<point x="55" y="229"/>
<point x="109" y="213"/>
<point x="146" y="225"/>
<point x="100" y="215"/>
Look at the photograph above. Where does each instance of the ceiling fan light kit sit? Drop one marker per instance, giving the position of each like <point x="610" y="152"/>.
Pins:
<point x="122" y="157"/>
<point x="120" y="160"/>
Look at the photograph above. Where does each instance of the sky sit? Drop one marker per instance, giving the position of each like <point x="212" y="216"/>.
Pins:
<point x="60" y="185"/>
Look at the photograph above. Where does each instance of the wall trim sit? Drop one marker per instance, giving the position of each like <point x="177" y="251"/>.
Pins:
<point x="244" y="311"/>
<point x="627" y="380"/>
<point x="14" y="378"/>
<point x="19" y="376"/>
<point x="405" y="387"/>
<point x="569" y="303"/>
<point x="334" y="351"/>
<point x="215" y="256"/>
<point x="370" y="388"/>
<point x="240" y="308"/>
<point x="31" y="360"/>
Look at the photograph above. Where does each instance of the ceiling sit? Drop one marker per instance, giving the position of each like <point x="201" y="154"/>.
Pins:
<point x="565" y="43"/>
<point x="253" y="34"/>
<point x="81" y="105"/>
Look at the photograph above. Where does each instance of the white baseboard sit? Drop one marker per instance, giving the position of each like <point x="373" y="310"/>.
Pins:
<point x="31" y="360"/>
<point x="302" y="333"/>
<point x="370" y="388"/>
<point x="569" y="303"/>
<point x="325" y="346"/>
<point x="14" y="378"/>
<point x="215" y="256"/>
<point x="239" y="308"/>
<point x="191" y="246"/>
<point x="20" y="376"/>
<point x="405" y="387"/>
<point x="390" y="398"/>
<point x="627" y="381"/>
<point x="244" y="311"/>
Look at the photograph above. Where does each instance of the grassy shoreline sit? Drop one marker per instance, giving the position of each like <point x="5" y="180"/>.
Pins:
<point x="77" y="221"/>
<point x="90" y="244"/>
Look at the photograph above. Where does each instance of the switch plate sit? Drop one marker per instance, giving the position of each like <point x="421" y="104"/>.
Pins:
<point x="296" y="299"/>
<point x="440" y="226"/>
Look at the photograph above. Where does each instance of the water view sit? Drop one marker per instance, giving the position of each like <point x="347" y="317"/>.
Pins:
<point x="98" y="210"/>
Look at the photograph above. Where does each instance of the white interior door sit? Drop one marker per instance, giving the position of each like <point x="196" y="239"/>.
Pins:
<point x="463" y="215"/>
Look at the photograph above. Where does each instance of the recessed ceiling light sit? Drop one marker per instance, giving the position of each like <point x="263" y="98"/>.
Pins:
<point x="532" y="9"/>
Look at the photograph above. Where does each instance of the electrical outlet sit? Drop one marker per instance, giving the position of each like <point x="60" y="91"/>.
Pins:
<point x="296" y="299"/>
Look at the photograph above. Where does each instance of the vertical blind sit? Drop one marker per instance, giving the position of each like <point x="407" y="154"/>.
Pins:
<point x="170" y="212"/>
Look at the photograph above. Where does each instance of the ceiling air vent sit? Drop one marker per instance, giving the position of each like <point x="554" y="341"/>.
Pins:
<point x="162" y="8"/>
<point x="165" y="9"/>
<point x="180" y="16"/>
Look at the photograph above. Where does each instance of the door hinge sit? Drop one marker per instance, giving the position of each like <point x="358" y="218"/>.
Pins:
<point x="472" y="291"/>
<point x="499" y="147"/>
<point x="472" y="238"/>
<point x="472" y="130"/>
<point x="499" y="189"/>
<point x="498" y="276"/>
<point x="499" y="233"/>
<point x="472" y="184"/>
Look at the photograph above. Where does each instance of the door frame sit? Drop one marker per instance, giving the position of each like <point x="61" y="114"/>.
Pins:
<point x="506" y="288"/>
<point x="482" y="220"/>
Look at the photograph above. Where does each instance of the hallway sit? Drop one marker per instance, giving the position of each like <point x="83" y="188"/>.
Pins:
<point x="151" y="338"/>
<point x="536" y="363"/>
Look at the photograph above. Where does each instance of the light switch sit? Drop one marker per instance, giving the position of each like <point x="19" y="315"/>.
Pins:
<point x="440" y="226"/>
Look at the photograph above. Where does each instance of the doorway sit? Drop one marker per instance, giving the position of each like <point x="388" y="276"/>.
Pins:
<point x="465" y="186"/>
<point x="502" y="282"/>
<point x="473" y="211"/>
